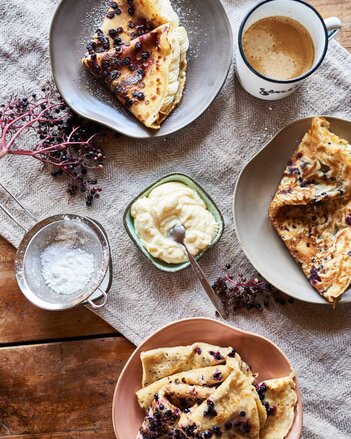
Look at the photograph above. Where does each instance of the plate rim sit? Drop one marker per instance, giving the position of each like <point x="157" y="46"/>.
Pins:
<point x="299" y="405"/>
<point x="249" y="256"/>
<point x="149" y="134"/>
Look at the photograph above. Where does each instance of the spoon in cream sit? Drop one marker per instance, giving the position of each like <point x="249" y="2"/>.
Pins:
<point x="177" y="233"/>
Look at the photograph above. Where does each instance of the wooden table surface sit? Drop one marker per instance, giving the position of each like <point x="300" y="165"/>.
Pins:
<point x="58" y="370"/>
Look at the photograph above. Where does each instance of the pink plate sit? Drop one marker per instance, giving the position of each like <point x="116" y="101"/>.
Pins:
<point x="263" y="356"/>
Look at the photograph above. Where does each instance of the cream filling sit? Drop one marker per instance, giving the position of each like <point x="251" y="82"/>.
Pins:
<point x="180" y="44"/>
<point x="168" y="205"/>
<point x="167" y="12"/>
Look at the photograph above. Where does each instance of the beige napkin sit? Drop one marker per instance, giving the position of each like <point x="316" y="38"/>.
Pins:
<point x="212" y="150"/>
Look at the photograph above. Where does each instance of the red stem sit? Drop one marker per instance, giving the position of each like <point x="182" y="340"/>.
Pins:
<point x="26" y="125"/>
<point x="15" y="119"/>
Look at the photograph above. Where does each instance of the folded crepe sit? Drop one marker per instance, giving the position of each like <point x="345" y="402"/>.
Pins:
<point x="147" y="75"/>
<point x="207" y="376"/>
<point x="311" y="210"/>
<point x="281" y="398"/>
<point x="218" y="400"/>
<point x="231" y="409"/>
<point x="163" y="415"/>
<point x="163" y="362"/>
<point x="126" y="20"/>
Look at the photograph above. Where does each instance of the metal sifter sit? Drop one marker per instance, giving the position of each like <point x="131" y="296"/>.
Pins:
<point x="90" y="237"/>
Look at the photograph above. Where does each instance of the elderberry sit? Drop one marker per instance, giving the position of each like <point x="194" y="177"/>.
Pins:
<point x="59" y="136"/>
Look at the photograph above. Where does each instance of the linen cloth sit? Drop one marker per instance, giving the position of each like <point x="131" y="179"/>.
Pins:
<point x="212" y="150"/>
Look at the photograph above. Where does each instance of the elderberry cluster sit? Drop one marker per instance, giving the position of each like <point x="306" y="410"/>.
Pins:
<point x="44" y="127"/>
<point x="239" y="293"/>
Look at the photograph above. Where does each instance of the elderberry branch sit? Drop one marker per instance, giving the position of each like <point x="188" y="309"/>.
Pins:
<point x="237" y="292"/>
<point x="43" y="127"/>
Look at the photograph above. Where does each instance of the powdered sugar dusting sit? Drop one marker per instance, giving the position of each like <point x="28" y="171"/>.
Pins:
<point x="202" y="54"/>
<point x="66" y="268"/>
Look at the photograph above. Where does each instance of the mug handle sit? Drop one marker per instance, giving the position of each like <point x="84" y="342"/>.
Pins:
<point x="333" y="25"/>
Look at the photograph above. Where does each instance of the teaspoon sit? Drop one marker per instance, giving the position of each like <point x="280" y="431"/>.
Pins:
<point x="177" y="233"/>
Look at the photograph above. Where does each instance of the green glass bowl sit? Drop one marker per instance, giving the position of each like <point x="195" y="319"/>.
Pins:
<point x="128" y="220"/>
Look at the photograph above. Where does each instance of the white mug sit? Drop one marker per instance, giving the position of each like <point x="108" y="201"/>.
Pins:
<point x="320" y="30"/>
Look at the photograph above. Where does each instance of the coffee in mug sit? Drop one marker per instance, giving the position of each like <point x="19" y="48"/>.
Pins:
<point x="280" y="44"/>
<point x="279" y="47"/>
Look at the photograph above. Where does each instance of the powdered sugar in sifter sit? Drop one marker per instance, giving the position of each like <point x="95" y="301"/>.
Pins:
<point x="89" y="237"/>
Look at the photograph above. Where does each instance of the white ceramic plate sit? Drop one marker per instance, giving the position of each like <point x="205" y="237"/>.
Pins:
<point x="253" y="194"/>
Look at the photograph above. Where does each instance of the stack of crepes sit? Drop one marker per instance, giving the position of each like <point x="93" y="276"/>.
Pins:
<point x="139" y="53"/>
<point x="311" y="210"/>
<point x="204" y="391"/>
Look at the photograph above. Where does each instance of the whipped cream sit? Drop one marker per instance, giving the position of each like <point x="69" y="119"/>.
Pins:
<point x="167" y="12"/>
<point x="168" y="205"/>
<point x="180" y="44"/>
